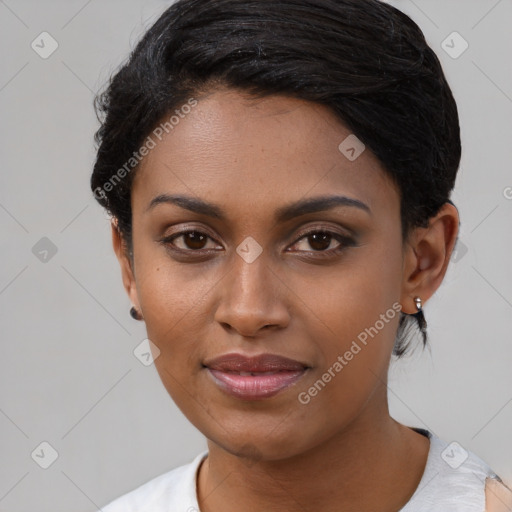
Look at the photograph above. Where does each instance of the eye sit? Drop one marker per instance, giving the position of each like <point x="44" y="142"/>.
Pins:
<point x="189" y="241"/>
<point x="323" y="241"/>
<point x="320" y="241"/>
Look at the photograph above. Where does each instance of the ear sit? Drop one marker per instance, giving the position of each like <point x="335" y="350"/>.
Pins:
<point x="122" y="253"/>
<point x="427" y="254"/>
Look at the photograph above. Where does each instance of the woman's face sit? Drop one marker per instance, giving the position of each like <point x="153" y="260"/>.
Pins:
<point x="260" y="276"/>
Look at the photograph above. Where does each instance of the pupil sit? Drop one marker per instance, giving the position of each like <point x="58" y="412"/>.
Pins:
<point x="195" y="240"/>
<point x="320" y="239"/>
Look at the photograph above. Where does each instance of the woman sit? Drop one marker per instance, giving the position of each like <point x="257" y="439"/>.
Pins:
<point x="279" y="178"/>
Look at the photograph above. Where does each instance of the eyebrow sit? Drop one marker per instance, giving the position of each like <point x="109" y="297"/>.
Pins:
<point x="282" y="214"/>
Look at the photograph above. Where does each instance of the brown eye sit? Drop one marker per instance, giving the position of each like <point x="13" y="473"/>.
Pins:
<point x="320" y="241"/>
<point x="190" y="241"/>
<point x="194" y="240"/>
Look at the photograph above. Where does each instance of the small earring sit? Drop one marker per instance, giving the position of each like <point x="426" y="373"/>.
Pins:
<point x="135" y="314"/>
<point x="419" y="315"/>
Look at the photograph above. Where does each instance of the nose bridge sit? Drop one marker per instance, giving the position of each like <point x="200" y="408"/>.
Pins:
<point x="250" y="283"/>
<point x="250" y="297"/>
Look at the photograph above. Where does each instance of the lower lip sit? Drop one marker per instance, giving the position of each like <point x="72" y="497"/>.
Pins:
<point x="254" y="387"/>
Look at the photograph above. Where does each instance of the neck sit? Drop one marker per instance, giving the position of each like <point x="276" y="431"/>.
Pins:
<point x="374" y="463"/>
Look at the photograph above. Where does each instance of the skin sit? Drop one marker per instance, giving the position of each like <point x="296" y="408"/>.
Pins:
<point x="498" y="497"/>
<point x="251" y="157"/>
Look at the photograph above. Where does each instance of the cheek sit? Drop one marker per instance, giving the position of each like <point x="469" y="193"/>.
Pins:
<point x="173" y="300"/>
<point x="340" y="303"/>
<point x="171" y="294"/>
<point x="353" y="317"/>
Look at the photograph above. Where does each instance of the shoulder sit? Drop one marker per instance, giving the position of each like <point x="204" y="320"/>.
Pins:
<point x="498" y="497"/>
<point x="454" y="479"/>
<point x="174" y="490"/>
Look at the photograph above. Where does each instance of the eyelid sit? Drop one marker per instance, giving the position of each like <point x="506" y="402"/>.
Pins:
<point x="187" y="228"/>
<point x="323" y="228"/>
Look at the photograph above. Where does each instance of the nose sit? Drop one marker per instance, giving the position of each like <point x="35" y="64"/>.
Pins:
<point x="253" y="298"/>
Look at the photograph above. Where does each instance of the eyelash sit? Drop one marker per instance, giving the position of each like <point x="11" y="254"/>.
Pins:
<point x="344" y="241"/>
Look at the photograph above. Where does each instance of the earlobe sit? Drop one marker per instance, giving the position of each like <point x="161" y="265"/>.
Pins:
<point x="427" y="256"/>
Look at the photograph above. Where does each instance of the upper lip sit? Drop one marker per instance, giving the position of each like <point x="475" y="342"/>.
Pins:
<point x="260" y="363"/>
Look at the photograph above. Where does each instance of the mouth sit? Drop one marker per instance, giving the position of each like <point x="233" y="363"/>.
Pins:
<point x="254" y="377"/>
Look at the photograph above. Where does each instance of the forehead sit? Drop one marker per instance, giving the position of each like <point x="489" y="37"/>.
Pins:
<point x="240" y="151"/>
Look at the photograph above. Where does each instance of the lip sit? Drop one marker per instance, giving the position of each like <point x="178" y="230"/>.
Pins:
<point x="271" y="374"/>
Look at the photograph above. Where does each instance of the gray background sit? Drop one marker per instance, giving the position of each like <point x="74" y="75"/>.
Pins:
<point x="68" y="375"/>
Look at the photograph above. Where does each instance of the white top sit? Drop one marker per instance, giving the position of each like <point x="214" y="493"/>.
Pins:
<point x="453" y="481"/>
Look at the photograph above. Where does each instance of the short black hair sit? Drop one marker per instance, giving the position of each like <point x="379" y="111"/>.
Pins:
<point x="365" y="60"/>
